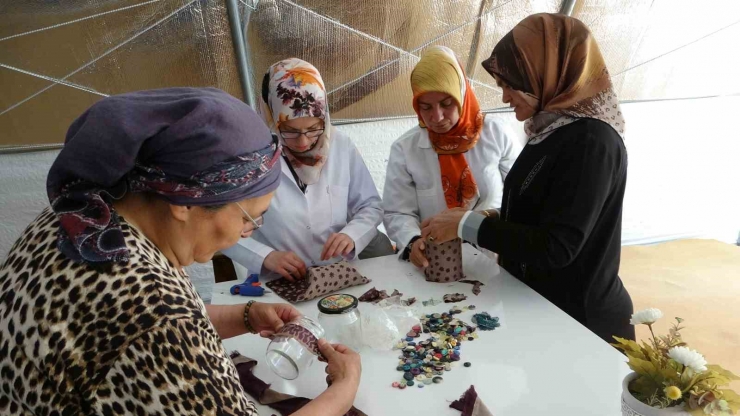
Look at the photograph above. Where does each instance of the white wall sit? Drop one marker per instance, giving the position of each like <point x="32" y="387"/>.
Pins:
<point x="684" y="167"/>
<point x="684" y="175"/>
<point x="374" y="140"/>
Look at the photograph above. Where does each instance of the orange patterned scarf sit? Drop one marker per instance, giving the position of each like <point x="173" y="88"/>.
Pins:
<point x="439" y="71"/>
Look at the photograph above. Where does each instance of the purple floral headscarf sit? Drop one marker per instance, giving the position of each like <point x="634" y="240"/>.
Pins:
<point x="189" y="146"/>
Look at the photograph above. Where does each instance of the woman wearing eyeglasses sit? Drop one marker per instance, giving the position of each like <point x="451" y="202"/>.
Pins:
<point x="327" y="206"/>
<point x="456" y="157"/>
<point x="97" y="315"/>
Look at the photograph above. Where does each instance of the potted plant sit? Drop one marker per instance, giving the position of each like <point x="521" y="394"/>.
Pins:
<point x="671" y="379"/>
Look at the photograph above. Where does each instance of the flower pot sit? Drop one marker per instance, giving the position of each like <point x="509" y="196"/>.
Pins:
<point x="633" y="407"/>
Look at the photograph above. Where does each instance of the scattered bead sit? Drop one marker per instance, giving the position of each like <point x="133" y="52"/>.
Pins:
<point x="395" y="384"/>
<point x="425" y="361"/>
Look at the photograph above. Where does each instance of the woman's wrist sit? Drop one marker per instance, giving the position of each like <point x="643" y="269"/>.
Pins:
<point x="247" y="324"/>
<point x="469" y="225"/>
<point x="345" y="391"/>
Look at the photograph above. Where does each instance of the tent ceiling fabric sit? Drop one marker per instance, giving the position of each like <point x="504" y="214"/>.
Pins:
<point x="664" y="49"/>
<point x="366" y="49"/>
<point x="56" y="58"/>
<point x="655" y="49"/>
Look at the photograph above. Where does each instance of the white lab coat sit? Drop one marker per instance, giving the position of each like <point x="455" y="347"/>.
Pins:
<point x="344" y="200"/>
<point x="413" y="184"/>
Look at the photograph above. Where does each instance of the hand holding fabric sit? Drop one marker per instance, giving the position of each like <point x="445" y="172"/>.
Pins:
<point x="286" y="264"/>
<point x="442" y="227"/>
<point x="416" y="256"/>
<point x="268" y="318"/>
<point x="344" y="365"/>
<point x="338" y="244"/>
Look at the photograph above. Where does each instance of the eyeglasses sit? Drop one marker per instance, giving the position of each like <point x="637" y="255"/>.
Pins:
<point x="292" y="135"/>
<point x="256" y="222"/>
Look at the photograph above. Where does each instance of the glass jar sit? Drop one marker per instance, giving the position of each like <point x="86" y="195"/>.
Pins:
<point x="339" y="316"/>
<point x="294" y="347"/>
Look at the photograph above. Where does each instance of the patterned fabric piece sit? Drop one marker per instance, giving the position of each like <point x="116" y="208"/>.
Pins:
<point x="454" y="297"/>
<point x="293" y="88"/>
<point x="319" y="281"/>
<point x="476" y="285"/>
<point x="91" y="229"/>
<point x="133" y="339"/>
<point x="445" y="261"/>
<point x="285" y="404"/>
<point x="439" y="70"/>
<point x="374" y="295"/>
<point x="240" y="171"/>
<point x="470" y="404"/>
<point x="556" y="59"/>
<point x="302" y="335"/>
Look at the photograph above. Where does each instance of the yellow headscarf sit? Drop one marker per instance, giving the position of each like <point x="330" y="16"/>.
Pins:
<point x="439" y="71"/>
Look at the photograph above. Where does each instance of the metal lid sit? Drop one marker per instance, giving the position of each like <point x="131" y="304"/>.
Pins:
<point x="336" y="304"/>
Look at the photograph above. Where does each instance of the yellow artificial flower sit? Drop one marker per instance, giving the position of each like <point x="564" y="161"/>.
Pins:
<point x="672" y="392"/>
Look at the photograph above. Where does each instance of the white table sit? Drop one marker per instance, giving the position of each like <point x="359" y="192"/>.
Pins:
<point x="539" y="362"/>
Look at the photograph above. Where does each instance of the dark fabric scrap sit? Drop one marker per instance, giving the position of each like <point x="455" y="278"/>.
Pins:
<point x="374" y="296"/>
<point x="470" y="404"/>
<point x="454" y="297"/>
<point x="476" y="285"/>
<point x="285" y="404"/>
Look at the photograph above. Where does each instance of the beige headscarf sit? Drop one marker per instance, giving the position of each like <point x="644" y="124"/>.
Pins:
<point x="293" y="88"/>
<point x="555" y="58"/>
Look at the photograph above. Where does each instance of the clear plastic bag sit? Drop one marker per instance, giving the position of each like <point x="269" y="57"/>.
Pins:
<point x="387" y="322"/>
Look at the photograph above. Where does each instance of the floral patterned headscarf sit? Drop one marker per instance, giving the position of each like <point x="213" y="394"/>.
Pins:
<point x="293" y="88"/>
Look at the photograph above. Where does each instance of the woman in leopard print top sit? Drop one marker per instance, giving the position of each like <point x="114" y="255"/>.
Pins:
<point x="96" y="314"/>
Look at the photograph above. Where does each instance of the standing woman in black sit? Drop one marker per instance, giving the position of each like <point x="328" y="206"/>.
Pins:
<point x="559" y="227"/>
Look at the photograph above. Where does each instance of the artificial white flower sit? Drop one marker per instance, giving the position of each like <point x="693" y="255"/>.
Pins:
<point x="647" y="316"/>
<point x="688" y="358"/>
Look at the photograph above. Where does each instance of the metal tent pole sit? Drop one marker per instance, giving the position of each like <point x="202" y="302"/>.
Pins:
<point x="567" y="7"/>
<point x="237" y="37"/>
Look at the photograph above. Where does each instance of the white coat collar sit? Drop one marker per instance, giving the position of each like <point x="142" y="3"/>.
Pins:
<point x="424" y="141"/>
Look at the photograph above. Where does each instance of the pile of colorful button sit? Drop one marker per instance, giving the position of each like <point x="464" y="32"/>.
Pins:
<point x="423" y="362"/>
